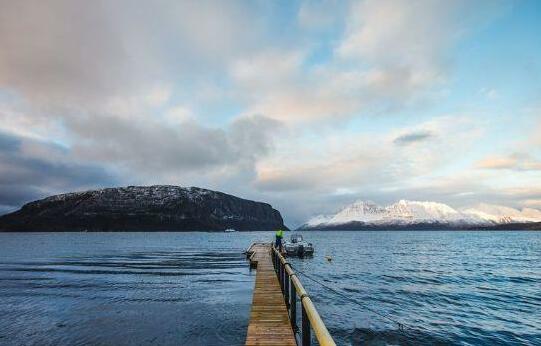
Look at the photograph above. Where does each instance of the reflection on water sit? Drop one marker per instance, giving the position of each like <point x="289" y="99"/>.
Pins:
<point x="477" y="288"/>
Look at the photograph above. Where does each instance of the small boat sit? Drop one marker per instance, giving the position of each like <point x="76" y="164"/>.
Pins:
<point x="229" y="230"/>
<point x="297" y="246"/>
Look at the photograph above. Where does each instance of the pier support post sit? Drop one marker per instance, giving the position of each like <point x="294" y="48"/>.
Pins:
<point x="284" y="278"/>
<point x="306" y="338"/>
<point x="293" y="308"/>
<point x="281" y="275"/>
<point x="286" y="288"/>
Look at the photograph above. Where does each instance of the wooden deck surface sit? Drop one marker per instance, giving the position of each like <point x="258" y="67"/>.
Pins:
<point x="269" y="320"/>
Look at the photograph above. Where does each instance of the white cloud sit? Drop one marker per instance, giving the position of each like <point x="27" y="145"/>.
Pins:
<point x="178" y="115"/>
<point x="515" y="161"/>
<point x="375" y="67"/>
<point x="411" y="35"/>
<point x="414" y="34"/>
<point x="533" y="203"/>
<point x="336" y="162"/>
<point x="158" y="96"/>
<point x="81" y="53"/>
<point x="133" y="87"/>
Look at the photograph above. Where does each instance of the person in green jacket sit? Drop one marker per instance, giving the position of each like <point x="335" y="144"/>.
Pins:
<point x="279" y="237"/>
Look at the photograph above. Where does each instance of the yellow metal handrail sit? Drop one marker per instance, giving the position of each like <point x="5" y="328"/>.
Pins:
<point x="287" y="277"/>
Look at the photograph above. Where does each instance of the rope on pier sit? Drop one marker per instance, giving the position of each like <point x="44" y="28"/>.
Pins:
<point x="400" y="325"/>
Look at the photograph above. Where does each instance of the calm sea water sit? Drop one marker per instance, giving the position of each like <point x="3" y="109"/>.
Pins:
<point x="463" y="288"/>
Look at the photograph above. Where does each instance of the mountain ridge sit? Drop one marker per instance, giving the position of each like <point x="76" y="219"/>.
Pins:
<point x="143" y="208"/>
<point x="422" y="214"/>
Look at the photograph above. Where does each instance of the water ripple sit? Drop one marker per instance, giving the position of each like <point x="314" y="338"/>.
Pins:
<point x="447" y="288"/>
<point x="107" y="293"/>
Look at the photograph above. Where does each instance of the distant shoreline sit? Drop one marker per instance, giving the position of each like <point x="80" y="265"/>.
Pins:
<point x="535" y="226"/>
<point x="305" y="230"/>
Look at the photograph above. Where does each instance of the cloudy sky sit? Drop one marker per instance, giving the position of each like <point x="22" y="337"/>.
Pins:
<point x="308" y="105"/>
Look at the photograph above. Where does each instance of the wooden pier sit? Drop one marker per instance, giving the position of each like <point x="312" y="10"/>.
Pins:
<point x="273" y="318"/>
<point x="269" y="319"/>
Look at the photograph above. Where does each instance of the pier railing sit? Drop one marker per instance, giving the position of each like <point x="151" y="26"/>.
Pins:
<point x="293" y="289"/>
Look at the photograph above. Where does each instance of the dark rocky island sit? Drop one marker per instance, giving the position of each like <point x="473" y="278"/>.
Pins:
<point x="142" y="208"/>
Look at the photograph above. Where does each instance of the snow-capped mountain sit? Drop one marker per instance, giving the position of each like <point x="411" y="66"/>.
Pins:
<point x="501" y="214"/>
<point x="411" y="213"/>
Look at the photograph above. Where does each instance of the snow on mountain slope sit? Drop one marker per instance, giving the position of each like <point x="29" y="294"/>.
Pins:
<point x="425" y="212"/>
<point x="406" y="212"/>
<point x="360" y="210"/>
<point x="318" y="220"/>
<point x="501" y="214"/>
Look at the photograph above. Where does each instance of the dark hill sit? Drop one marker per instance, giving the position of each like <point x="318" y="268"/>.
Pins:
<point x="141" y="208"/>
